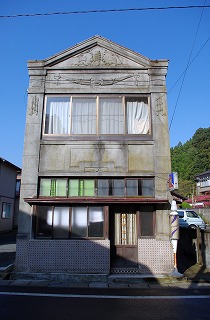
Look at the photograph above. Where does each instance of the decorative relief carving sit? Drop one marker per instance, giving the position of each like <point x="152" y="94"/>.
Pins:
<point x="134" y="80"/>
<point x="91" y="81"/>
<point x="160" y="107"/>
<point x="97" y="57"/>
<point x="34" y="106"/>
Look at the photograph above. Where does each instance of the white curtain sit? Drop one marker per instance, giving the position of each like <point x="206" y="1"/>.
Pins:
<point x="111" y="117"/>
<point x="84" y="116"/>
<point x="137" y="117"/>
<point x="58" y="118"/>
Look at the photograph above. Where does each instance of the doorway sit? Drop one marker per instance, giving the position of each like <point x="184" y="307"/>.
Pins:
<point x="123" y="237"/>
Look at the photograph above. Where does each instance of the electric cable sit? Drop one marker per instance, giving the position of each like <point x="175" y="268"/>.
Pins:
<point x="102" y="11"/>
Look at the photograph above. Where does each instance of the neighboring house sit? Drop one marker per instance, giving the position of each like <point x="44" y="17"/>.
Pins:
<point x="9" y="197"/>
<point x="96" y="161"/>
<point x="203" y="183"/>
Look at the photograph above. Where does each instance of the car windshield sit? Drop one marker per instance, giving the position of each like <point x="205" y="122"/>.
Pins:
<point x="192" y="214"/>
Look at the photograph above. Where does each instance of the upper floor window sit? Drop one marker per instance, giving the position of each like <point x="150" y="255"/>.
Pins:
<point x="117" y="187"/>
<point x="96" y="115"/>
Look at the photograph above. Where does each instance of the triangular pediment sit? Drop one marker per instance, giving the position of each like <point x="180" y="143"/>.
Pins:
<point x="97" y="52"/>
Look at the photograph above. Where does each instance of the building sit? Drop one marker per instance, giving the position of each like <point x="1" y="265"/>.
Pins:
<point x="203" y="183"/>
<point x="94" y="196"/>
<point x="9" y="195"/>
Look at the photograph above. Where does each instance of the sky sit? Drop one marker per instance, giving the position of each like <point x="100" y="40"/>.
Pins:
<point x="180" y="35"/>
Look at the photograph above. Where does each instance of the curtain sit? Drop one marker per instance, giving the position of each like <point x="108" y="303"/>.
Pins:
<point x="137" y="117"/>
<point x="61" y="222"/>
<point x="79" y="222"/>
<point x="83" y="116"/>
<point x="58" y="113"/>
<point x="111" y="116"/>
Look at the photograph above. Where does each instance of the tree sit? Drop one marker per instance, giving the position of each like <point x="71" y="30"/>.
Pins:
<point x="190" y="159"/>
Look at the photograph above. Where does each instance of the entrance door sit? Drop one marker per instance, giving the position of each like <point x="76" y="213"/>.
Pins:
<point x="123" y="237"/>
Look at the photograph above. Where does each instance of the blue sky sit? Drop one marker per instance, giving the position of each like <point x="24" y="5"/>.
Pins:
<point x="156" y="34"/>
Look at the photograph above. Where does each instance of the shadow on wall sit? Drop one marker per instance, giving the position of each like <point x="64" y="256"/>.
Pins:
<point x="53" y="254"/>
<point x="191" y="248"/>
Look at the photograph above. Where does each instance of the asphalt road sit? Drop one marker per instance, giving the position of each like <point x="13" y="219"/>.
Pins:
<point x="100" y="304"/>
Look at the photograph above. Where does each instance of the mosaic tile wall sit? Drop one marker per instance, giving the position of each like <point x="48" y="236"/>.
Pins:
<point x="74" y="256"/>
<point x="155" y="256"/>
<point x="78" y="256"/>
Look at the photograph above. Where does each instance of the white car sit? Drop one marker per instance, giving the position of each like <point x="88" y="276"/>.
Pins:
<point x="190" y="219"/>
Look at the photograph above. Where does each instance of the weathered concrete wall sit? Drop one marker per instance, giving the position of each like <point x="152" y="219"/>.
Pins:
<point x="97" y="67"/>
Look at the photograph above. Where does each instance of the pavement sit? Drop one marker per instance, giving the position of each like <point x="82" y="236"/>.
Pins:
<point x="194" y="276"/>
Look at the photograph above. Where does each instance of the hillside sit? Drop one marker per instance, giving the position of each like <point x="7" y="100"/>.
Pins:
<point x="190" y="159"/>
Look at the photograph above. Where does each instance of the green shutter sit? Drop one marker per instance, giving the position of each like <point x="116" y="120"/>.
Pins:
<point x="53" y="186"/>
<point x="81" y="188"/>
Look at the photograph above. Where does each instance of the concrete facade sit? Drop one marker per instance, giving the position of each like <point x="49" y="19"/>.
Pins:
<point x="97" y="68"/>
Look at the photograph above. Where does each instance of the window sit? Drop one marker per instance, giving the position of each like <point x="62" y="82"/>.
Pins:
<point x="64" y="222"/>
<point x="131" y="222"/>
<point x="6" y="210"/>
<point x="57" y="115"/>
<point x="70" y="187"/>
<point x="96" y="116"/>
<point x="147" y="223"/>
<point x="125" y="229"/>
<point x="191" y="214"/>
<point x="83" y="119"/>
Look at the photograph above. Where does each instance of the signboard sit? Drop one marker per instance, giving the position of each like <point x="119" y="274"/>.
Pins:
<point x="173" y="181"/>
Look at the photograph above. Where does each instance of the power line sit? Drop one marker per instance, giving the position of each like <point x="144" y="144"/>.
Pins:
<point x="188" y="64"/>
<point x="101" y="11"/>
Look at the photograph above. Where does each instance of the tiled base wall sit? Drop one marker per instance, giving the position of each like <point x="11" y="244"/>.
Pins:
<point x="155" y="256"/>
<point x="75" y="256"/>
<point x="81" y="256"/>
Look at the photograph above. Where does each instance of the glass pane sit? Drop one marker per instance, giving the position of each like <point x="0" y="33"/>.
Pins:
<point x="131" y="228"/>
<point x="137" y="114"/>
<point x="117" y="227"/>
<point x="61" y="187"/>
<point x="146" y="224"/>
<point x="57" y="115"/>
<point x="89" y="187"/>
<point x="125" y="229"/>
<point x="96" y="222"/>
<point x="6" y="210"/>
<point x="61" y="222"/>
<point x="45" y="187"/>
<point x="44" y="221"/>
<point x="103" y="188"/>
<point x="119" y="187"/>
<point x="83" y="116"/>
<point x="79" y="222"/>
<point x="73" y="188"/>
<point x="132" y="187"/>
<point x="147" y="186"/>
<point x="111" y="116"/>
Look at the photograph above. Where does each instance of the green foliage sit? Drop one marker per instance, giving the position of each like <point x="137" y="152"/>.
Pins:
<point x="190" y="159"/>
<point x="185" y="205"/>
